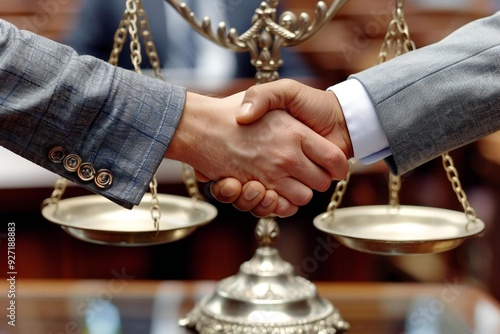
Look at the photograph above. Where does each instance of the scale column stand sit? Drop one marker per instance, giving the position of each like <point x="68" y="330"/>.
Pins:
<point x="265" y="297"/>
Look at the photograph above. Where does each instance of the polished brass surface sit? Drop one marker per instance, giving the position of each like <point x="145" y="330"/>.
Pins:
<point x="404" y="230"/>
<point x="95" y="219"/>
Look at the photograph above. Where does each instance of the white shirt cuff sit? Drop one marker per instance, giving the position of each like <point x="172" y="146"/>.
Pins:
<point x="369" y="141"/>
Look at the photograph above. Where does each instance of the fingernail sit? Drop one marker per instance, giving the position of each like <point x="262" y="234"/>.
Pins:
<point x="267" y="201"/>
<point x="251" y="193"/>
<point x="227" y="191"/>
<point x="244" y="109"/>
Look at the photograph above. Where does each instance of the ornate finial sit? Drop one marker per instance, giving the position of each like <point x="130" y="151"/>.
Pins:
<point x="266" y="37"/>
<point x="267" y="231"/>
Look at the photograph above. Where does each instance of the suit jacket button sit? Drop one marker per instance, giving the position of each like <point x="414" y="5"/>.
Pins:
<point x="103" y="178"/>
<point x="57" y="154"/>
<point x="86" y="171"/>
<point x="72" y="162"/>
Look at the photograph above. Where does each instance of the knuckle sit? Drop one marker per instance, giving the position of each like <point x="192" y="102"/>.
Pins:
<point x="324" y="183"/>
<point x="336" y="164"/>
<point x="304" y="198"/>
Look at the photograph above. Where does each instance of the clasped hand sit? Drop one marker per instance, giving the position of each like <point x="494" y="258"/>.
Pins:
<point x="265" y="162"/>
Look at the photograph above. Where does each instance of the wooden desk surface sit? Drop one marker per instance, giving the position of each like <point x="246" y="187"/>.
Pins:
<point x="61" y="306"/>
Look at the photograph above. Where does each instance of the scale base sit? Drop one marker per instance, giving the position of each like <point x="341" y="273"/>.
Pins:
<point x="265" y="297"/>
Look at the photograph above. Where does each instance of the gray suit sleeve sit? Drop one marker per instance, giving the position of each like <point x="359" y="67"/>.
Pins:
<point x="111" y="118"/>
<point x="439" y="97"/>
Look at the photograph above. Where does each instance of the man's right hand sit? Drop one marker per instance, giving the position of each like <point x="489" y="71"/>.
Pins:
<point x="318" y="109"/>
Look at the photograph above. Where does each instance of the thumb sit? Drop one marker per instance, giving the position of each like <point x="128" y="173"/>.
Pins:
<point x="262" y="98"/>
<point x="248" y="113"/>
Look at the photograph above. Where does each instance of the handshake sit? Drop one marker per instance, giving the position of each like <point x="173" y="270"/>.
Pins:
<point x="266" y="148"/>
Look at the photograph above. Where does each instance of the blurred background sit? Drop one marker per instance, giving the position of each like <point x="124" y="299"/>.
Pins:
<point x="347" y="44"/>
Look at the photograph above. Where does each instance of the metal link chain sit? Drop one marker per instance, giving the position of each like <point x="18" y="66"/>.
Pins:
<point x="397" y="37"/>
<point x="134" y="14"/>
<point x="190" y="181"/>
<point x="396" y="41"/>
<point x="130" y="18"/>
<point x="155" y="204"/>
<point x="135" y="45"/>
<point x="133" y="22"/>
<point x="57" y="193"/>
<point x="338" y="194"/>
<point x="188" y="175"/>
<point x="452" y="174"/>
<point x="119" y="40"/>
<point x="394" y="188"/>
<point x="147" y="39"/>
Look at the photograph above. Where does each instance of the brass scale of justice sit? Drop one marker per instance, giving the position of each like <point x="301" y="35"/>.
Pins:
<point x="265" y="296"/>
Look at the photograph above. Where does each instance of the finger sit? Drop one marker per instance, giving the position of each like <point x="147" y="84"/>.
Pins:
<point x="326" y="155"/>
<point x="226" y="190"/>
<point x="268" y="204"/>
<point x="200" y="176"/>
<point x="294" y="191"/>
<point x="265" y="97"/>
<point x="252" y="194"/>
<point x="285" y="208"/>
<point x="306" y="172"/>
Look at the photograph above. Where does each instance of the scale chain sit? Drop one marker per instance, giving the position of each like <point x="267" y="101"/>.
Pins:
<point x="398" y="39"/>
<point x="394" y="188"/>
<point x="135" y="21"/>
<point x="131" y="18"/>
<point x="154" y="60"/>
<point x="57" y="193"/>
<point x="135" y="45"/>
<point x="397" y="33"/>
<point x="118" y="40"/>
<point x="190" y="181"/>
<point x="452" y="175"/>
<point x="340" y="189"/>
<point x="155" y="204"/>
<point x="151" y="52"/>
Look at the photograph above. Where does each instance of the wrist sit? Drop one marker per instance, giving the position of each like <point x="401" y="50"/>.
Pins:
<point x="365" y="131"/>
<point x="189" y="129"/>
<point x="340" y="133"/>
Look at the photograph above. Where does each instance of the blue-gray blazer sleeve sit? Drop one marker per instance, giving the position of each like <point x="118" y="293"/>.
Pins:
<point x="439" y="97"/>
<point x="113" y="119"/>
